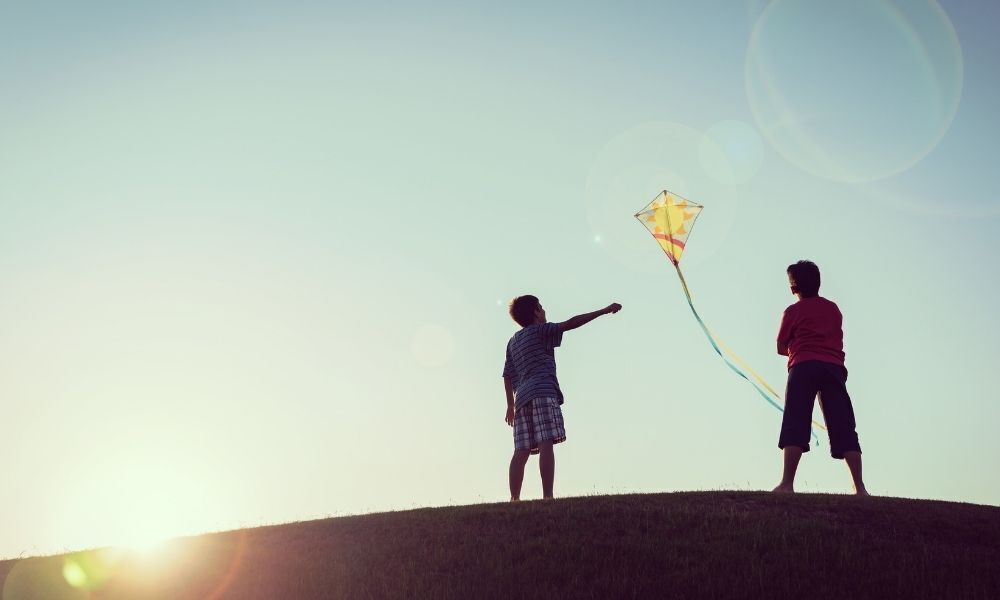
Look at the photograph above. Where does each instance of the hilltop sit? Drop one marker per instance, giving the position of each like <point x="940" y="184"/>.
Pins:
<point x="685" y="545"/>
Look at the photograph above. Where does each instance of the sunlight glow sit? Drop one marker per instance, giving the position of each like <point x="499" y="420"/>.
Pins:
<point x="120" y="568"/>
<point x="137" y="503"/>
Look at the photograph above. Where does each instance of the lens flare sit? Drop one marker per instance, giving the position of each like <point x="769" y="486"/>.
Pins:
<point x="90" y="570"/>
<point x="74" y="574"/>
<point x="853" y="90"/>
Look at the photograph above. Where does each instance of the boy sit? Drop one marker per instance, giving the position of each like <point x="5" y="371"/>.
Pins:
<point x="533" y="394"/>
<point x="812" y="338"/>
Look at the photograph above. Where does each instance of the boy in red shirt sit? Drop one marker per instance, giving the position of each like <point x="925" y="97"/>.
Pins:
<point x="812" y="338"/>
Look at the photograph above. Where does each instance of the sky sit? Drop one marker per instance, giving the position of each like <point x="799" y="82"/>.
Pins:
<point x="255" y="258"/>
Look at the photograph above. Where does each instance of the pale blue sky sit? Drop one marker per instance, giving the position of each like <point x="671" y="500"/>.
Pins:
<point x="256" y="257"/>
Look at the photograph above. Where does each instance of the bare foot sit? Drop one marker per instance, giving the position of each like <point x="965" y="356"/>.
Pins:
<point x="783" y="489"/>
<point x="515" y="499"/>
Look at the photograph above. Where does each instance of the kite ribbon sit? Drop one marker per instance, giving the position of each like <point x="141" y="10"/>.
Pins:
<point x="726" y="354"/>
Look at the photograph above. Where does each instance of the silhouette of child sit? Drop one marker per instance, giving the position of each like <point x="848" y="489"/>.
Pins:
<point x="533" y="394"/>
<point x="812" y="338"/>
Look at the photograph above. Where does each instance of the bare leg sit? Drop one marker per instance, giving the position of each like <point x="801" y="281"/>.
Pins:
<point x="547" y="467"/>
<point x="792" y="456"/>
<point x="853" y="460"/>
<point x="517" y="463"/>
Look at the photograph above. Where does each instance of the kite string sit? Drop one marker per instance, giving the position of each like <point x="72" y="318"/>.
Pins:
<point x="718" y="346"/>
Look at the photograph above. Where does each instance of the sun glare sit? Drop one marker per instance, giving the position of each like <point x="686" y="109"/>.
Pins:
<point x="139" y="521"/>
<point x="146" y="543"/>
<point x="138" y="507"/>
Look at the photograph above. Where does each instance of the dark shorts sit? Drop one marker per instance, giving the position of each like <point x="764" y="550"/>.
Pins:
<point x="829" y="381"/>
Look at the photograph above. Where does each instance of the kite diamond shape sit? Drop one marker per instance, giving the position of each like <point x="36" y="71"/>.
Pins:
<point x="670" y="218"/>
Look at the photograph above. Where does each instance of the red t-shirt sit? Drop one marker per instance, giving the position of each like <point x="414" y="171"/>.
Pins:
<point x="812" y="329"/>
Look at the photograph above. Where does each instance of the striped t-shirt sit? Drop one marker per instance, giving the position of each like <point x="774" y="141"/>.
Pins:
<point x="531" y="363"/>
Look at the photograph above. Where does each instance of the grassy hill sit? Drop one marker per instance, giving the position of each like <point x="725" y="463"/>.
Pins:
<point x="684" y="545"/>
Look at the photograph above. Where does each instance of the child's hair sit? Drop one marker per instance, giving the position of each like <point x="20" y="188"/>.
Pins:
<point x="522" y="309"/>
<point x="806" y="276"/>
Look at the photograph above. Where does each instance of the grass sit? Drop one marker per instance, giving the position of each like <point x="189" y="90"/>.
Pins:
<point x="685" y="545"/>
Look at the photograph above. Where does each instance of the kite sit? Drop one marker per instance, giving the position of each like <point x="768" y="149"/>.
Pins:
<point x="670" y="218"/>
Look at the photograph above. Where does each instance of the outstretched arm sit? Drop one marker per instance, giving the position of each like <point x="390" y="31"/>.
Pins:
<point x="585" y="318"/>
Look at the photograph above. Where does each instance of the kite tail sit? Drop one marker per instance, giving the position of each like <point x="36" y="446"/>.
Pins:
<point x="725" y="353"/>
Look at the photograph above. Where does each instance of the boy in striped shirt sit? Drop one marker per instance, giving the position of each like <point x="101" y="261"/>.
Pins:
<point x="532" y="389"/>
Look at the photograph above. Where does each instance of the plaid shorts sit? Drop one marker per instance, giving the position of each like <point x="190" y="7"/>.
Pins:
<point x="538" y="421"/>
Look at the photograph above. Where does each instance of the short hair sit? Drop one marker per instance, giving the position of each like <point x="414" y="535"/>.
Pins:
<point x="522" y="309"/>
<point x="806" y="276"/>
